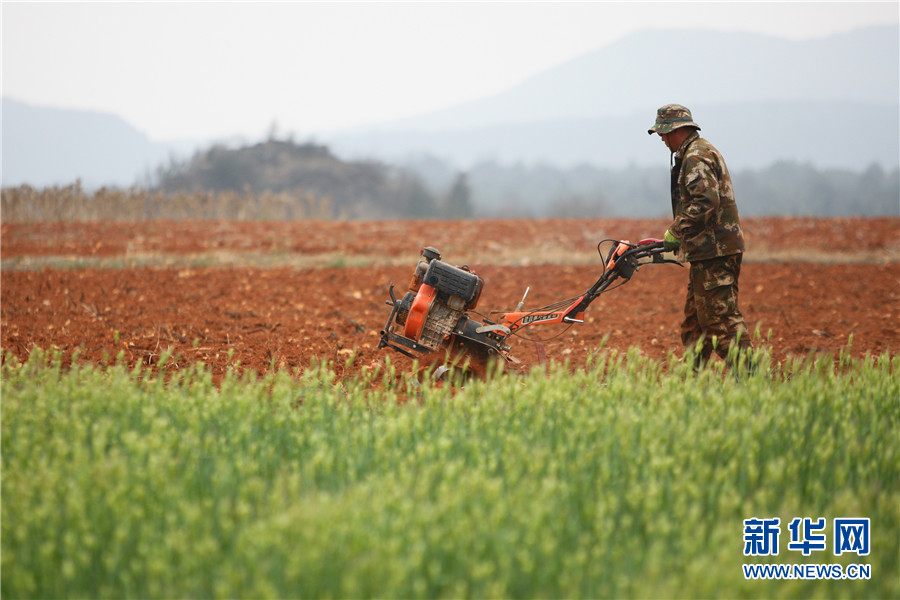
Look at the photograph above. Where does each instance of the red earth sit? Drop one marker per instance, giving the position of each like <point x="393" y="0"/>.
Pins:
<point x="281" y="295"/>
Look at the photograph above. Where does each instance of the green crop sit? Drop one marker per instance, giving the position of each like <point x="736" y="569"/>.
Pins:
<point x="626" y="477"/>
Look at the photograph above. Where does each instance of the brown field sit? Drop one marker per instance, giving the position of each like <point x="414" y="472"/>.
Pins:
<point x="279" y="294"/>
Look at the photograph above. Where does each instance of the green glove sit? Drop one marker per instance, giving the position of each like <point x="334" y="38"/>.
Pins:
<point x="670" y="242"/>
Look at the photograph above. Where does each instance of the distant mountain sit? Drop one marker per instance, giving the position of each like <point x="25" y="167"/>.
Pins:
<point x="851" y="135"/>
<point x="49" y="146"/>
<point x="832" y="101"/>
<point x="829" y="102"/>
<point x="694" y="67"/>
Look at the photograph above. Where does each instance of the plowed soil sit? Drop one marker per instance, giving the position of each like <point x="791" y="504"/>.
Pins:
<point x="280" y="295"/>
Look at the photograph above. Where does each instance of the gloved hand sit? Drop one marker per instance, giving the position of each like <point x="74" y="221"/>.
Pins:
<point x="670" y="242"/>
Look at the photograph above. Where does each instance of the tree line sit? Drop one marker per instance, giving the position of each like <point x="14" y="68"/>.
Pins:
<point x="353" y="189"/>
<point x="282" y="180"/>
<point x="782" y="189"/>
<point x="427" y="187"/>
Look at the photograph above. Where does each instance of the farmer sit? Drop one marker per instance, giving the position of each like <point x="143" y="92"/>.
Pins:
<point x="706" y="233"/>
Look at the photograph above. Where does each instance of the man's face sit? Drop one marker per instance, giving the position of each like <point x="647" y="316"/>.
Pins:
<point x="676" y="137"/>
<point x="667" y="140"/>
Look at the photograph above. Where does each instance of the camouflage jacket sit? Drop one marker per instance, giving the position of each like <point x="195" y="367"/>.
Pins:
<point x="706" y="216"/>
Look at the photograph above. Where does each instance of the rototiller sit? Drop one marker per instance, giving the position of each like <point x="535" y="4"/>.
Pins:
<point x="435" y="315"/>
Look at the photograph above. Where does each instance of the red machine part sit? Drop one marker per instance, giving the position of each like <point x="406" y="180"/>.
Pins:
<point x="418" y="311"/>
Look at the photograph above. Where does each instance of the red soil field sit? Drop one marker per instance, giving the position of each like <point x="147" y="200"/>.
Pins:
<point x="280" y="295"/>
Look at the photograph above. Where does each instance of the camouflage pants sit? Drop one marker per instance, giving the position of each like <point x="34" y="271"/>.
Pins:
<point x="711" y="307"/>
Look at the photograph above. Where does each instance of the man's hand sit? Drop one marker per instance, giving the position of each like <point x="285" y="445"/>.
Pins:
<point x="670" y="242"/>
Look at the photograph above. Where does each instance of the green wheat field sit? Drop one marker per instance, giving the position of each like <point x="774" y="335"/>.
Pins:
<point x="622" y="477"/>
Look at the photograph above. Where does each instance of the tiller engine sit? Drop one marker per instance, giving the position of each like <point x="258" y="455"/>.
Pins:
<point x="435" y="313"/>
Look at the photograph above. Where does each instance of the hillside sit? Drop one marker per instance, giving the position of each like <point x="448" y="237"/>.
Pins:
<point x="643" y="70"/>
<point x="311" y="179"/>
<point x="52" y="146"/>
<point x="779" y="131"/>
<point x="762" y="99"/>
<point x="830" y="103"/>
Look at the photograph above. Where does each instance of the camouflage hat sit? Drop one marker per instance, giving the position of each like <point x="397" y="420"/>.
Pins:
<point x="670" y="117"/>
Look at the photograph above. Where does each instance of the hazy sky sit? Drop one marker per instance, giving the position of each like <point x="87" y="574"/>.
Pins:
<point x="180" y="70"/>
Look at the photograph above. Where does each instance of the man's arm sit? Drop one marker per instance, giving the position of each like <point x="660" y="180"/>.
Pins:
<point x="702" y="185"/>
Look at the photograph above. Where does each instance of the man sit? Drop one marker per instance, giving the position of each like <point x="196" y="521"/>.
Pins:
<point x="706" y="233"/>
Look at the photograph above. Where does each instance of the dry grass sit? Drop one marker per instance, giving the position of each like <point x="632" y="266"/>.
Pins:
<point x="71" y="203"/>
